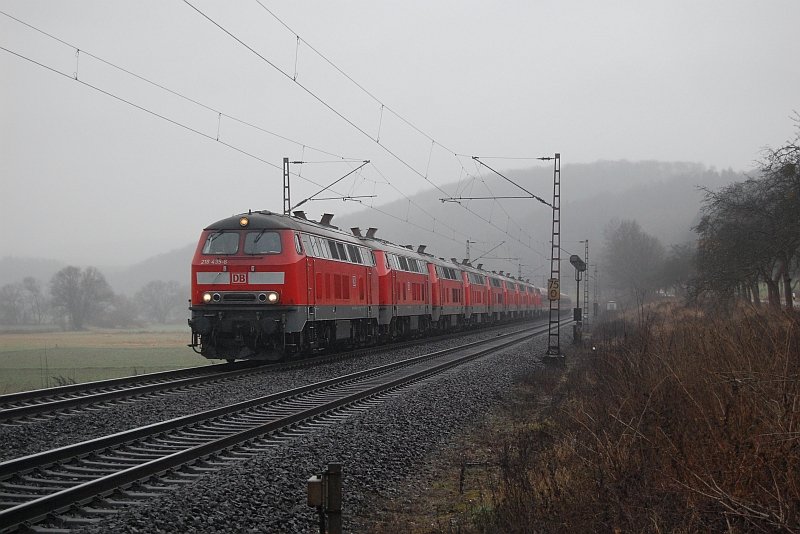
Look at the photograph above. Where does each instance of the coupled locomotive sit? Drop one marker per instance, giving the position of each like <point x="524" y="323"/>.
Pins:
<point x="267" y="286"/>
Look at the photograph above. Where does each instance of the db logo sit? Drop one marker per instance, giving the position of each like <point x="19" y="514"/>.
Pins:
<point x="238" y="278"/>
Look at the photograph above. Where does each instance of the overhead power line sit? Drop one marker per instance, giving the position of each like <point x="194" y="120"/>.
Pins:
<point x="221" y="114"/>
<point x="208" y="136"/>
<point x="180" y="95"/>
<point x="153" y="113"/>
<point x="212" y="138"/>
<point x="315" y="96"/>
<point x="322" y="101"/>
<point x="540" y="199"/>
<point x="383" y="105"/>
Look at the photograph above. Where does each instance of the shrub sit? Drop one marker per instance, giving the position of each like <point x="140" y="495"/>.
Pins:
<point x="679" y="421"/>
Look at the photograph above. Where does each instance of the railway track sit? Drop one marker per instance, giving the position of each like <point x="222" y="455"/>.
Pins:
<point x="39" y="405"/>
<point x="28" y="406"/>
<point x="77" y="485"/>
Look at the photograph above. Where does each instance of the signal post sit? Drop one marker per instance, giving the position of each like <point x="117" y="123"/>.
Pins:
<point x="577" y="328"/>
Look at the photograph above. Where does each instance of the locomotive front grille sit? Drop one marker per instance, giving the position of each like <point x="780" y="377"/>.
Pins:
<point x="239" y="297"/>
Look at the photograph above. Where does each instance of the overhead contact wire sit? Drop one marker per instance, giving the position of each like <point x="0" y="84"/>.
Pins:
<point x="393" y="112"/>
<point x="339" y="114"/>
<point x="315" y="96"/>
<point x="155" y="114"/>
<point x="168" y="90"/>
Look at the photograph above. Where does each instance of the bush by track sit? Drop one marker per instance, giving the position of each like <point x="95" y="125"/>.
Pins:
<point x="680" y="420"/>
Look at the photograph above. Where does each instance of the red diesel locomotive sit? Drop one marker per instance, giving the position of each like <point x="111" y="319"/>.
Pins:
<point x="266" y="286"/>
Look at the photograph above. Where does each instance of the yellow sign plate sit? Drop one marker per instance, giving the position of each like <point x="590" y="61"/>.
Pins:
<point x="554" y="289"/>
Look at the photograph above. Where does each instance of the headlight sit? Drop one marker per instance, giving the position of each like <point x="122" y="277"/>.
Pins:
<point x="206" y="297"/>
<point x="270" y="297"/>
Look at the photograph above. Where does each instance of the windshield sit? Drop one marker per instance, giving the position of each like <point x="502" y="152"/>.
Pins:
<point x="221" y="243"/>
<point x="262" y="242"/>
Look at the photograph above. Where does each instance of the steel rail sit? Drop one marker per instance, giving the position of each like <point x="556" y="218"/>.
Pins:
<point x="41" y="506"/>
<point x="33" y="395"/>
<point x="39" y="401"/>
<point x="17" y="407"/>
<point x="54" y="404"/>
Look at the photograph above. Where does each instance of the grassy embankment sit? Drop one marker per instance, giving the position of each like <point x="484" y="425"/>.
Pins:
<point x="681" y="422"/>
<point x="36" y="360"/>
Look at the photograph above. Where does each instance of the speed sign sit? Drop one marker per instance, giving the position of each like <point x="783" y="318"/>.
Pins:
<point x="554" y="289"/>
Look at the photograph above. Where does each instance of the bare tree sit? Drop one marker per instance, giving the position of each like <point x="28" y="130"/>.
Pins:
<point x="35" y="299"/>
<point x="162" y="301"/>
<point x="750" y="231"/>
<point x="633" y="259"/>
<point x="731" y="251"/>
<point x="81" y="295"/>
<point x="120" y="312"/>
<point x="12" y="304"/>
<point x="780" y="171"/>
<point x="679" y="268"/>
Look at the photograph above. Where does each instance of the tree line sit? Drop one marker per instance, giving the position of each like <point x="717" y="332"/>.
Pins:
<point x="750" y="231"/>
<point x="76" y="298"/>
<point x="748" y="239"/>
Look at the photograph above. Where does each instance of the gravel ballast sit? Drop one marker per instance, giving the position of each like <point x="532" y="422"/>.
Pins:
<point x="385" y="452"/>
<point x="30" y="438"/>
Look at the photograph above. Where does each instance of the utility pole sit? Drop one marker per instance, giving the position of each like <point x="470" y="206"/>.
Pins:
<point x="586" y="286"/>
<point x="554" y="284"/>
<point x="287" y="199"/>
<point x="468" y="243"/>
<point x="595" y="306"/>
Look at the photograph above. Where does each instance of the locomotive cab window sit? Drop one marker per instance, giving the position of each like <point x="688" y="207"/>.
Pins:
<point x="221" y="243"/>
<point x="262" y="243"/>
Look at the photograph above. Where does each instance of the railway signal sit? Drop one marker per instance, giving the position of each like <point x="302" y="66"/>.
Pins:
<point x="580" y="267"/>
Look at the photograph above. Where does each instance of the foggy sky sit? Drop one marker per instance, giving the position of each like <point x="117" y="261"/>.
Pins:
<point x="89" y="179"/>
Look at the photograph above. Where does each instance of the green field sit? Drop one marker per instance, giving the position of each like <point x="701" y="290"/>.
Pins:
<point x="37" y="360"/>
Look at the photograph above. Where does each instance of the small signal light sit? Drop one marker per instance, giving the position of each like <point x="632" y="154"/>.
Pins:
<point x="243" y="221"/>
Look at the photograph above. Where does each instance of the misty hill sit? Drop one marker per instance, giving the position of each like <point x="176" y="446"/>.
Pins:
<point x="16" y="269"/>
<point x="663" y="197"/>
<point x="173" y="265"/>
